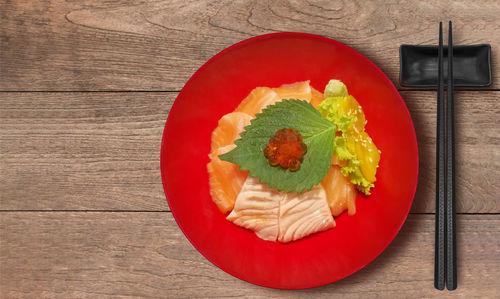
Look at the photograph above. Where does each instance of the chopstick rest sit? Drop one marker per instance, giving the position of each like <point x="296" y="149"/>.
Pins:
<point x="419" y="65"/>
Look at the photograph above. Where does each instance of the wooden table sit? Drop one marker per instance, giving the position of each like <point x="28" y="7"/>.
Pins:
<point x="86" y="87"/>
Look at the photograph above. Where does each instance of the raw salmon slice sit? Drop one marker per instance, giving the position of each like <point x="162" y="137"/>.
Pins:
<point x="229" y="128"/>
<point x="261" y="97"/>
<point x="338" y="162"/>
<point x="256" y="208"/>
<point x="225" y="179"/>
<point x="316" y="97"/>
<point x="301" y="215"/>
<point x="281" y="216"/>
<point x="257" y="100"/>
<point x="298" y="91"/>
<point x="340" y="192"/>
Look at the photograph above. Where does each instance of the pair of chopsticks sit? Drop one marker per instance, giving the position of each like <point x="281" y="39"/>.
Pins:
<point x="445" y="267"/>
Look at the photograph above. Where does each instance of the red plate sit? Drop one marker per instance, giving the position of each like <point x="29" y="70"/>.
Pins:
<point x="216" y="89"/>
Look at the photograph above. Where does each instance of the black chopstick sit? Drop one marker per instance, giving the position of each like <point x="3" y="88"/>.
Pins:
<point x="439" y="262"/>
<point x="451" y="248"/>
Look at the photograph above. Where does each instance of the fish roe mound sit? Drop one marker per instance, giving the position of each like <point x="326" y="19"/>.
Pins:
<point x="285" y="149"/>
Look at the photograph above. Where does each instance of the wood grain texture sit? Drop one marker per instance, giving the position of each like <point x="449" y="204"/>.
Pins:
<point x="82" y="151"/>
<point x="157" y="45"/>
<point x="100" y="151"/>
<point x="477" y="150"/>
<point x="90" y="160"/>
<point x="63" y="254"/>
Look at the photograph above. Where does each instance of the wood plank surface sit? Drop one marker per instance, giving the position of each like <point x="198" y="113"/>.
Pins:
<point x="65" y="254"/>
<point x="100" y="151"/>
<point x="157" y="45"/>
<point x="82" y="151"/>
<point x="82" y="208"/>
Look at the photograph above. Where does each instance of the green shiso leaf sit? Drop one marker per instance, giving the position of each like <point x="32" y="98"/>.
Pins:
<point x="318" y="133"/>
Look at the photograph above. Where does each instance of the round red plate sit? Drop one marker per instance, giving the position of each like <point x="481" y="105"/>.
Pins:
<point x="216" y="89"/>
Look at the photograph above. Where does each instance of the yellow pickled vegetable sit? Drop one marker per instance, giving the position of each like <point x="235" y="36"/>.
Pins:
<point x="354" y="144"/>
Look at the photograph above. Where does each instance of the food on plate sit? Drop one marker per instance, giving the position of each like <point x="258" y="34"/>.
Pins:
<point x="316" y="97"/>
<point x="318" y="133"/>
<point x="289" y="159"/>
<point x="285" y="149"/>
<point x="229" y="128"/>
<point x="225" y="178"/>
<point x="354" y="145"/>
<point x="258" y="98"/>
<point x="281" y="216"/>
<point x="340" y="192"/>
<point x="303" y="214"/>
<point x="257" y="208"/>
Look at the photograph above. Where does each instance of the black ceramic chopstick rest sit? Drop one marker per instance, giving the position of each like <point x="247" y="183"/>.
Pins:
<point x="419" y="65"/>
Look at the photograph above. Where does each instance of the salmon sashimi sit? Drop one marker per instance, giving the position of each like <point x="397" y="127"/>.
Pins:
<point x="257" y="208"/>
<point x="298" y="91"/>
<point x="280" y="216"/>
<point x="229" y="128"/>
<point x="338" y="162"/>
<point x="225" y="179"/>
<point x="303" y="214"/>
<point x="257" y="100"/>
<point x="261" y="97"/>
<point x="316" y="97"/>
<point x="340" y="192"/>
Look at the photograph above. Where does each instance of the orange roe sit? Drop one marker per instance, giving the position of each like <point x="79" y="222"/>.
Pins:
<point x="285" y="149"/>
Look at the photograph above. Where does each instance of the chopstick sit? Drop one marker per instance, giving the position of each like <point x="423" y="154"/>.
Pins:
<point x="451" y="248"/>
<point x="439" y="250"/>
<point x="445" y="266"/>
